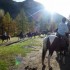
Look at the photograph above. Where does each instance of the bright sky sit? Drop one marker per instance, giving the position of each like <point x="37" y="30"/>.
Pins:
<point x="59" y="6"/>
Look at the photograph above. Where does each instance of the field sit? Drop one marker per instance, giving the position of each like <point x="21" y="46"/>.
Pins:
<point x="27" y="52"/>
<point x="8" y="54"/>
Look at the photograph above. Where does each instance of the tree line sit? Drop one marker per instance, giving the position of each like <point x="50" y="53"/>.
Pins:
<point x="14" y="26"/>
<point x="21" y="23"/>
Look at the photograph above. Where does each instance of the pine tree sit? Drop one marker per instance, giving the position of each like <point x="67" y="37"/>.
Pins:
<point x="22" y="21"/>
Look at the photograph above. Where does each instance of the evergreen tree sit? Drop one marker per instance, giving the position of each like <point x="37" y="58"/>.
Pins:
<point x="22" y="21"/>
<point x="31" y="26"/>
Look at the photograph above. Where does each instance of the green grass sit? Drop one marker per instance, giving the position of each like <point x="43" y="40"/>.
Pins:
<point x="11" y="39"/>
<point x="8" y="53"/>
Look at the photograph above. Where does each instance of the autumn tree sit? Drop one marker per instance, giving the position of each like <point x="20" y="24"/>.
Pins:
<point x="9" y="25"/>
<point x="1" y="16"/>
<point x="6" y="22"/>
<point x="13" y="28"/>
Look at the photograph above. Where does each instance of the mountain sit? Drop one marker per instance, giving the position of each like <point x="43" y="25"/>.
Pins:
<point x="14" y="8"/>
<point x="9" y="6"/>
<point x="32" y="9"/>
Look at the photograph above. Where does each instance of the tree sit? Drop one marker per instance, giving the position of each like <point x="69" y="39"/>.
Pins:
<point x="6" y="22"/>
<point x="22" y="21"/>
<point x="31" y="26"/>
<point x="13" y="28"/>
<point x="8" y="25"/>
<point x="1" y="16"/>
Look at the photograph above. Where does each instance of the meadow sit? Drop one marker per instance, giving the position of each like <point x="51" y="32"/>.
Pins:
<point x="9" y="53"/>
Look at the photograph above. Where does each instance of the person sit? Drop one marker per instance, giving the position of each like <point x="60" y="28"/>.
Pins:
<point x="5" y="34"/>
<point x="63" y="30"/>
<point x="21" y="34"/>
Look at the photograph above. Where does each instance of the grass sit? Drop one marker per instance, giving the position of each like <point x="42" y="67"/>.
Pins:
<point x="11" y="39"/>
<point x="8" y="53"/>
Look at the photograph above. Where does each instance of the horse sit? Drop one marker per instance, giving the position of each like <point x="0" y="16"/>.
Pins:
<point x="20" y="36"/>
<point x="29" y="34"/>
<point x="53" y="43"/>
<point x="3" y="37"/>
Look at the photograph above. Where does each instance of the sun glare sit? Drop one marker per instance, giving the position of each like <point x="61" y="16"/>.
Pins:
<point x="57" y="6"/>
<point x="51" y="11"/>
<point x="50" y="6"/>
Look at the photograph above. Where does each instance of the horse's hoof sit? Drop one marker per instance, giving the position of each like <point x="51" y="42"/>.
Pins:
<point x="30" y="69"/>
<point x="50" y="68"/>
<point x="63" y="63"/>
<point x="26" y="67"/>
<point x="43" y="68"/>
<point x="34" y="68"/>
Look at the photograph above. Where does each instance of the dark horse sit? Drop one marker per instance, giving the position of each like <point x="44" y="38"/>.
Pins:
<point x="20" y="36"/>
<point x="3" y="37"/>
<point x="53" y="43"/>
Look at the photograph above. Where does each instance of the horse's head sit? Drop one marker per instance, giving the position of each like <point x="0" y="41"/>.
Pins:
<point x="52" y="37"/>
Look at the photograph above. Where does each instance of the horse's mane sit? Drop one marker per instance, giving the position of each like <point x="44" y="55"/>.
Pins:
<point x="54" y="33"/>
<point x="51" y="37"/>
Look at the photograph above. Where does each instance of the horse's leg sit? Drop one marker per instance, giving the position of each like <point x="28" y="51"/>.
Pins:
<point x="64" y="60"/>
<point x="46" y="44"/>
<point x="43" y="55"/>
<point x="59" y="54"/>
<point x="64" y="54"/>
<point x="49" y="57"/>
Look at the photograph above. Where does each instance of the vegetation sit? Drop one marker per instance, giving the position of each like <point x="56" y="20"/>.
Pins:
<point x="7" y="24"/>
<point x="9" y="53"/>
<point x="25" y="20"/>
<point x="22" y="22"/>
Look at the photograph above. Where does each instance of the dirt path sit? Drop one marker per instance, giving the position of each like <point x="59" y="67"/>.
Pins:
<point x="33" y="60"/>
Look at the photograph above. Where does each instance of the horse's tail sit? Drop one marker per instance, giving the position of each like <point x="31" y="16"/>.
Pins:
<point x="44" y="50"/>
<point x="9" y="38"/>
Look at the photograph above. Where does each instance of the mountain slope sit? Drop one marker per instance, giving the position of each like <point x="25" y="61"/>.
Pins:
<point x="32" y="9"/>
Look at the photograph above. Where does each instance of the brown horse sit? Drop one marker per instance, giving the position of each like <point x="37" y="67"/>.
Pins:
<point x="53" y="43"/>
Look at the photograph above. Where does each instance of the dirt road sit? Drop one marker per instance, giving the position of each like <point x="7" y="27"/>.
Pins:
<point x="33" y="59"/>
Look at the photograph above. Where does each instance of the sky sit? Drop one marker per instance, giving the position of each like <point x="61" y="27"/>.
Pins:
<point x="59" y="6"/>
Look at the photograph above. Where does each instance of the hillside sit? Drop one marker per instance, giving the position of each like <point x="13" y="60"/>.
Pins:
<point x="14" y="7"/>
<point x="32" y="9"/>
